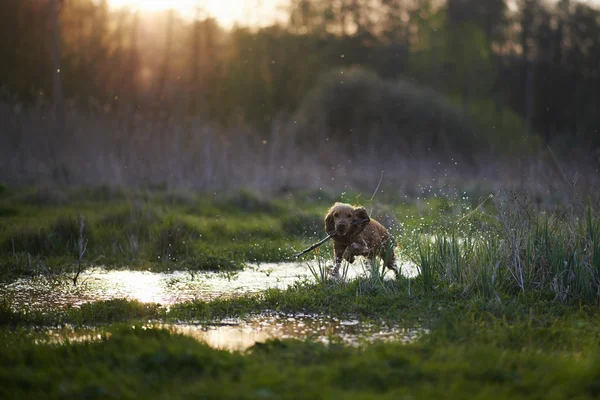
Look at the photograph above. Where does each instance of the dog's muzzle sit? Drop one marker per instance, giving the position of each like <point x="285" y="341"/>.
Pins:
<point x="341" y="229"/>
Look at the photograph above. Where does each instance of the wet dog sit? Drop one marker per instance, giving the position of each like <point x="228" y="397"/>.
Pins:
<point x="354" y="233"/>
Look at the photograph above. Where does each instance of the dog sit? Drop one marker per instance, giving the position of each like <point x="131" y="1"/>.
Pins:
<point x="354" y="233"/>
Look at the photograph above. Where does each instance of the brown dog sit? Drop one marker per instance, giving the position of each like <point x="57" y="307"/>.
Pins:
<point x="354" y="233"/>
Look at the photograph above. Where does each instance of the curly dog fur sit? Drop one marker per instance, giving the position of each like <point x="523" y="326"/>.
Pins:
<point x="356" y="234"/>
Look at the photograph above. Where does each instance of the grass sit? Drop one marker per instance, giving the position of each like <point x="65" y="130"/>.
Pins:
<point x="357" y="298"/>
<point x="509" y="295"/>
<point x="519" y="249"/>
<point x="154" y="230"/>
<point x="522" y="348"/>
<point x="160" y="229"/>
<point x="506" y="245"/>
<point x="137" y="363"/>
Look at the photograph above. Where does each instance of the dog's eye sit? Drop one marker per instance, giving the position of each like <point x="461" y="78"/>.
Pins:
<point x="349" y="215"/>
<point x="335" y="215"/>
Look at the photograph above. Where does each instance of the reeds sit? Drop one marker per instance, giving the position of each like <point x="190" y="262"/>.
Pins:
<point x="520" y="251"/>
<point x="121" y="151"/>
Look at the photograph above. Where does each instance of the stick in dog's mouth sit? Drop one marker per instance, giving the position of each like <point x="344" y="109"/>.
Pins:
<point x="329" y="236"/>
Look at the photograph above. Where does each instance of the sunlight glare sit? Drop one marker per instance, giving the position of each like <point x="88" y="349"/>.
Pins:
<point x="226" y="12"/>
<point x="140" y="286"/>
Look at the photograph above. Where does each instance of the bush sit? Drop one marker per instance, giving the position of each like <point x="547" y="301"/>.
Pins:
<point x="357" y="108"/>
<point x="500" y="130"/>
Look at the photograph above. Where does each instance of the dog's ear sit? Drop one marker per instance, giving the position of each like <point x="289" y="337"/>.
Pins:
<point x="329" y="226"/>
<point x="361" y="219"/>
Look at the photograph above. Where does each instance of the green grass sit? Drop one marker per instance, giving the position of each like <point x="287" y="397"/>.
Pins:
<point x="516" y="249"/>
<point x="443" y="309"/>
<point x="136" y="363"/>
<point x="509" y="294"/>
<point x="524" y="347"/>
<point x="94" y="313"/>
<point x="155" y="229"/>
<point x="503" y="245"/>
<point x="158" y="229"/>
<point x="521" y="348"/>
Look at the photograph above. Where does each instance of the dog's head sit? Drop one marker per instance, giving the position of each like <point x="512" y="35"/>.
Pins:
<point x="346" y="220"/>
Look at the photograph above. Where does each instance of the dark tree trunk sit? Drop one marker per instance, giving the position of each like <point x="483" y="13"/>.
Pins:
<point x="57" y="87"/>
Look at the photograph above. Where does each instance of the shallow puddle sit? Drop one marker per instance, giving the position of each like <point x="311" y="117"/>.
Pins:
<point x="163" y="288"/>
<point x="239" y="335"/>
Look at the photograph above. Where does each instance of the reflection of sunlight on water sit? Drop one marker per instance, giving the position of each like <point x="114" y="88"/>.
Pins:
<point x="239" y="335"/>
<point x="164" y="288"/>
<point x="225" y="337"/>
<point x="141" y="286"/>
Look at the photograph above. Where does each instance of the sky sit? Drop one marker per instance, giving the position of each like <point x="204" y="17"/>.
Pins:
<point x="227" y="12"/>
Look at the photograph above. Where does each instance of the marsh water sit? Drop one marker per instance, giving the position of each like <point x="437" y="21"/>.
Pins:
<point x="45" y="293"/>
<point x="165" y="288"/>
<point x="241" y="334"/>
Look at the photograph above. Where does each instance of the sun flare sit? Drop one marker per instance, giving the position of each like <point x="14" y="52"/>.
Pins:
<point x="226" y="12"/>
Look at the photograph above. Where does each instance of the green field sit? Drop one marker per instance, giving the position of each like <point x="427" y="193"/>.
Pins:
<point x="508" y="292"/>
<point x="162" y="230"/>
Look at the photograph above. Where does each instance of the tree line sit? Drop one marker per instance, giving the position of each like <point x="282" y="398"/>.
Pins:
<point x="537" y="60"/>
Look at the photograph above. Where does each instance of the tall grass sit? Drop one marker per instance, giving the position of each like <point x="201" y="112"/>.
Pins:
<point x="125" y="150"/>
<point x="375" y="273"/>
<point x="522" y="250"/>
<point x="321" y="271"/>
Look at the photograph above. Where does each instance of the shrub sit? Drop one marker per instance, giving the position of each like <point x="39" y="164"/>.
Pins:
<point x="357" y="108"/>
<point x="500" y="130"/>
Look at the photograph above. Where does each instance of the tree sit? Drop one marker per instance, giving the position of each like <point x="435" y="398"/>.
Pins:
<point x="164" y="68"/>
<point x="57" y="87"/>
<point x="529" y="9"/>
<point x="488" y="15"/>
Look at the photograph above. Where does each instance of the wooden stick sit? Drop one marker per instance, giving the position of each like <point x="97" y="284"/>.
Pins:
<point x="314" y="246"/>
<point x="329" y="236"/>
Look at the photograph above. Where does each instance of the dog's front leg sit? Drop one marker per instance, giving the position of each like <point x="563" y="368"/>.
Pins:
<point x="359" y="248"/>
<point x="390" y="258"/>
<point x="355" y="249"/>
<point x="338" y="250"/>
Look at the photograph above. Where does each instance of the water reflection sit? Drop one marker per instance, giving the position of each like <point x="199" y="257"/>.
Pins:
<point x="162" y="288"/>
<point x="239" y="335"/>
